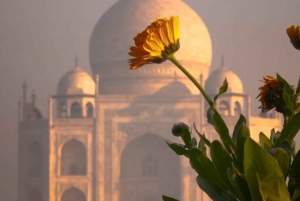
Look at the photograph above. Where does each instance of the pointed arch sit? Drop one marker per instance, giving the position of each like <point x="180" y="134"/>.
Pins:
<point x="63" y="109"/>
<point x="224" y="108"/>
<point x="89" y="110"/>
<point x="237" y="108"/>
<point x="76" y="110"/>
<point x="34" y="195"/>
<point x="73" y="158"/>
<point x="35" y="159"/>
<point x="73" y="194"/>
<point x="148" y="169"/>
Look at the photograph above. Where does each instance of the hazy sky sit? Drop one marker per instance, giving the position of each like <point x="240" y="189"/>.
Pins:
<point x="39" y="40"/>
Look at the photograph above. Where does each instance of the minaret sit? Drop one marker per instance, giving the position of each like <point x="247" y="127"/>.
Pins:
<point x="95" y="149"/>
<point x="20" y="110"/>
<point x="24" y="86"/>
<point x="33" y="97"/>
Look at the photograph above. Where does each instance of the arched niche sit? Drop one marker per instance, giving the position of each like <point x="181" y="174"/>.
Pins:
<point x="237" y="108"/>
<point x="35" y="159"/>
<point x="73" y="158"/>
<point x="73" y="194"/>
<point x="76" y="110"/>
<point x="224" y="108"/>
<point x="63" y="109"/>
<point x="149" y="168"/>
<point x="34" y="195"/>
<point x="89" y="110"/>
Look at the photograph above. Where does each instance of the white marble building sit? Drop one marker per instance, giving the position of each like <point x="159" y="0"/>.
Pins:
<point x="104" y="137"/>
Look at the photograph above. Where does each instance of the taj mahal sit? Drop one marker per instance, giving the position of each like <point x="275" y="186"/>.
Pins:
<point x="104" y="137"/>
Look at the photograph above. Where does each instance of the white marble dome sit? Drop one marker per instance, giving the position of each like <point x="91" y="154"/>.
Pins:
<point x="113" y="35"/>
<point x="76" y="82"/>
<point x="215" y="81"/>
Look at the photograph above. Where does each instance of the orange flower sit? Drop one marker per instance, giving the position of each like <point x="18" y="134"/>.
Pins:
<point x="294" y="35"/>
<point x="155" y="44"/>
<point x="270" y="95"/>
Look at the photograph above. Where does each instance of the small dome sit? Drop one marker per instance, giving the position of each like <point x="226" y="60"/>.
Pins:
<point x="215" y="81"/>
<point x="174" y="88"/>
<point x="76" y="81"/>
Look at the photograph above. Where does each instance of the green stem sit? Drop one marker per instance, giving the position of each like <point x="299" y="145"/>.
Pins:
<point x="294" y="101"/>
<point x="296" y="97"/>
<point x="196" y="83"/>
<point x="284" y="119"/>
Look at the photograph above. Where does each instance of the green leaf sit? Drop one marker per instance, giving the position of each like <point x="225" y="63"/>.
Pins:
<point x="264" y="141"/>
<point x="296" y="194"/>
<point x="240" y="184"/>
<point x="187" y="138"/>
<point x="202" y="147"/>
<point x="291" y="186"/>
<point x="202" y="137"/>
<point x="208" y="189"/>
<point x="206" y="170"/>
<point x="243" y="134"/>
<point x="222" y="161"/>
<point x="298" y="86"/>
<point x="222" y="89"/>
<point x="283" y="160"/>
<point x="287" y="147"/>
<point x="263" y="174"/>
<point x="290" y="130"/>
<point x="255" y="186"/>
<point x="209" y="115"/>
<point x="238" y="126"/>
<point x="275" y="137"/>
<point x="294" y="172"/>
<point x="283" y="83"/>
<point x="179" y="149"/>
<point x="223" y="132"/>
<point x="166" y="198"/>
<point x="272" y="133"/>
<point x="287" y="100"/>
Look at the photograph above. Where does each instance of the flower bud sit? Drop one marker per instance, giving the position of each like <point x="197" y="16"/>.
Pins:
<point x="179" y="129"/>
<point x="271" y="95"/>
<point x="294" y="35"/>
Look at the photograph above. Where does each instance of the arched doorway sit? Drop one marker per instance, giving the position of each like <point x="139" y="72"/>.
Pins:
<point x="149" y="168"/>
<point x="224" y="108"/>
<point x="237" y="108"/>
<point x="63" y="109"/>
<point x="89" y="110"/>
<point x="34" y="195"/>
<point x="73" y="158"/>
<point x="73" y="194"/>
<point x="76" y="110"/>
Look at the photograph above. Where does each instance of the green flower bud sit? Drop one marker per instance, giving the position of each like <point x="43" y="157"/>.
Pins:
<point x="179" y="129"/>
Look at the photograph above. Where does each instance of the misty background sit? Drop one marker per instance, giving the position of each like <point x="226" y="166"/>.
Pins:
<point x="39" y="40"/>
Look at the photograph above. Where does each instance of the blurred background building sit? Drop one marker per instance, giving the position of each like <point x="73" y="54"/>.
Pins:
<point x="104" y="136"/>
